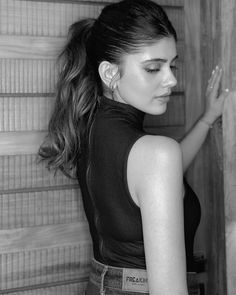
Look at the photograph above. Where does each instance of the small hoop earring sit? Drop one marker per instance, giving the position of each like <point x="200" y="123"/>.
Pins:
<point x="113" y="84"/>
<point x="113" y="92"/>
<point x="112" y="88"/>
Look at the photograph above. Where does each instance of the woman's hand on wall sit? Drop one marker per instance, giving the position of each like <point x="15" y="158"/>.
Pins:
<point x="193" y="141"/>
<point x="214" y="100"/>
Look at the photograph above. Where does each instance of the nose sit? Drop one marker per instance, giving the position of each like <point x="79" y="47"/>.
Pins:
<point x="169" y="79"/>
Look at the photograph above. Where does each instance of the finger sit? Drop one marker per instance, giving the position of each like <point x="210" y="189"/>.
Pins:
<point x="211" y="81"/>
<point x="211" y="78"/>
<point x="217" y="79"/>
<point x="216" y="76"/>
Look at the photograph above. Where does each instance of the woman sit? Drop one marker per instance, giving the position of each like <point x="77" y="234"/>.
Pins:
<point x="114" y="70"/>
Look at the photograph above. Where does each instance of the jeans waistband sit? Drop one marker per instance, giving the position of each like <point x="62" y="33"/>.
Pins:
<point x="125" y="279"/>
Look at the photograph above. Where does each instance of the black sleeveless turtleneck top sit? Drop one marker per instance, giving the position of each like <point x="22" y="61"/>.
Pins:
<point x="114" y="219"/>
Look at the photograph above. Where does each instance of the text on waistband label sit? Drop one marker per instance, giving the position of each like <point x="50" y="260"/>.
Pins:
<point x="135" y="280"/>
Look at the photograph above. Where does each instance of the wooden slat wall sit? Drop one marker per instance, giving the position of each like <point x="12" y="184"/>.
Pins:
<point x="45" y="247"/>
<point x="228" y="43"/>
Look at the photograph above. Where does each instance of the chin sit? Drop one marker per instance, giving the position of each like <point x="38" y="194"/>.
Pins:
<point x="160" y="110"/>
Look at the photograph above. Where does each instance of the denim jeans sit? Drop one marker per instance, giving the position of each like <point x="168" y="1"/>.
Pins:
<point x="93" y="289"/>
<point x="107" y="280"/>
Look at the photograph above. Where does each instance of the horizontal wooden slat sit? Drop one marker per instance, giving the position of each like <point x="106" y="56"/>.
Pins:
<point x="30" y="47"/>
<point x="29" y="76"/>
<point x="39" y="189"/>
<point x="57" y="288"/>
<point x="30" y="209"/>
<point x="20" y="143"/>
<point x="23" y="239"/>
<point x="25" y="113"/>
<point x="28" y="94"/>
<point x="61" y="262"/>
<point x="26" y="172"/>
<point x="37" y="18"/>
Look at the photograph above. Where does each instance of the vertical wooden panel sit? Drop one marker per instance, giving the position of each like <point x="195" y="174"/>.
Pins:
<point x="205" y="174"/>
<point x="213" y="160"/>
<point x="229" y="138"/>
<point x="215" y="201"/>
<point x="194" y="102"/>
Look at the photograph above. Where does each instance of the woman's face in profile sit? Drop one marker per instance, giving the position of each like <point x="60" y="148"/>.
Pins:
<point x="147" y="77"/>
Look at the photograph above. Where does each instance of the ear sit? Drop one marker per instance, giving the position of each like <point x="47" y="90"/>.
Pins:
<point x="109" y="73"/>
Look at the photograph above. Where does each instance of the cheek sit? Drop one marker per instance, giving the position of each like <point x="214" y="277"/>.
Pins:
<point x="136" y="83"/>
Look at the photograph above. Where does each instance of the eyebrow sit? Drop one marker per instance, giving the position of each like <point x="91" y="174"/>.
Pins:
<point x="159" y="60"/>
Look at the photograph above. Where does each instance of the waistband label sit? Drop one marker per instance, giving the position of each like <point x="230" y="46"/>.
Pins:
<point x="135" y="280"/>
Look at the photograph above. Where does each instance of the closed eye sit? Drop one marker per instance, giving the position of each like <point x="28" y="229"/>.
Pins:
<point x="152" y="70"/>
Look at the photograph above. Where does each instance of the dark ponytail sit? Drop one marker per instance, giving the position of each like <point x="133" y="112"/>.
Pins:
<point x="76" y="99"/>
<point x="122" y="28"/>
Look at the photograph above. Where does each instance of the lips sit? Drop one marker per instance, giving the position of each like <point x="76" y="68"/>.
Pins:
<point x="165" y="94"/>
<point x="164" y="97"/>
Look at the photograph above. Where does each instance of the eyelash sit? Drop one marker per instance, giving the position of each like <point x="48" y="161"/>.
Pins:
<point x="152" y="70"/>
<point x="157" y="70"/>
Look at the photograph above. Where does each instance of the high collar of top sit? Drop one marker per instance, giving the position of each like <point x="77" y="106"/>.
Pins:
<point x="121" y="110"/>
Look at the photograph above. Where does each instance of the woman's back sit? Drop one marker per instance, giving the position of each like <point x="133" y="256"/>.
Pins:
<point x="114" y="217"/>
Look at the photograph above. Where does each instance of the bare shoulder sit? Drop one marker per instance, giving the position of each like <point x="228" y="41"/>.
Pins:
<point x="152" y="160"/>
<point x="152" y="148"/>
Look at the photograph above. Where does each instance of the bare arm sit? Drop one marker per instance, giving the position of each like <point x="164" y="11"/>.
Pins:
<point x="193" y="141"/>
<point x="155" y="181"/>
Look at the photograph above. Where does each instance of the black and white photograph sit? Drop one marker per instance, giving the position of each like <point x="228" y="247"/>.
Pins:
<point x="117" y="147"/>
